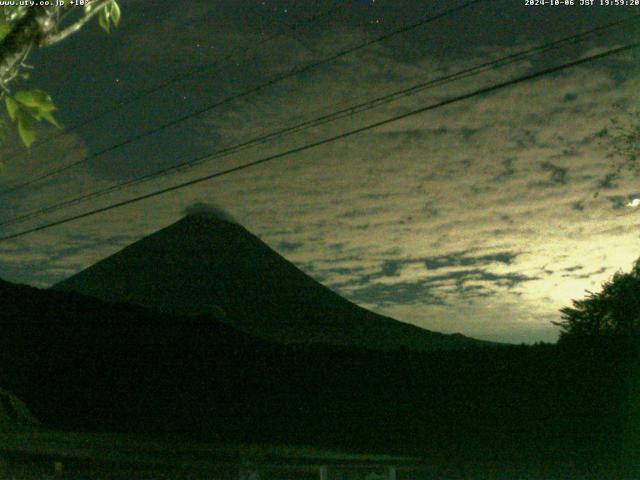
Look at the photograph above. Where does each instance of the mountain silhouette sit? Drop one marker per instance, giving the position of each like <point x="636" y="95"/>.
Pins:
<point x="208" y="264"/>
<point x="81" y="363"/>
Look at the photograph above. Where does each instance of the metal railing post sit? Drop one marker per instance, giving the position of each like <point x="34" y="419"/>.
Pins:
<point x="392" y="473"/>
<point x="324" y="473"/>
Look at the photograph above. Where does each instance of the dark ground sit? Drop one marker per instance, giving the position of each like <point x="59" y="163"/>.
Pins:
<point x="554" y="411"/>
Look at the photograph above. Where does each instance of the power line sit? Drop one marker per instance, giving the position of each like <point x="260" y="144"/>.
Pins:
<point x="334" y="138"/>
<point x="359" y="108"/>
<point x="291" y="73"/>
<point x="176" y="78"/>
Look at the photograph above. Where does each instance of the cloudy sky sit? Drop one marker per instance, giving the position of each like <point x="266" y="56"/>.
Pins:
<point x="478" y="217"/>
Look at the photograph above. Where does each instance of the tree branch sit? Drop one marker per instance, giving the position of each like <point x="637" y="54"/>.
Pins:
<point x="28" y="32"/>
<point x="73" y="28"/>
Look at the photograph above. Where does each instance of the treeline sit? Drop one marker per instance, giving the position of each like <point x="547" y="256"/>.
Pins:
<point x="84" y="365"/>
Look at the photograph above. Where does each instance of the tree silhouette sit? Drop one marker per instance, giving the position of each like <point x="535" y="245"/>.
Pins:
<point x="612" y="312"/>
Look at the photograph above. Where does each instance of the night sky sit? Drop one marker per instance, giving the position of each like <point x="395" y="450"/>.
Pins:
<point x="477" y="218"/>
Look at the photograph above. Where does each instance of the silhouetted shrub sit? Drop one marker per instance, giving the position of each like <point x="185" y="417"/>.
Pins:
<point x="612" y="312"/>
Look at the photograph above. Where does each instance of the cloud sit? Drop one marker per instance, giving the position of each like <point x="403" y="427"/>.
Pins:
<point x="462" y="259"/>
<point x="211" y="211"/>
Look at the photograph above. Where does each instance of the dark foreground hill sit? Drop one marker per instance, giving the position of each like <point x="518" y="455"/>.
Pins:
<point x="82" y="364"/>
<point x="206" y="264"/>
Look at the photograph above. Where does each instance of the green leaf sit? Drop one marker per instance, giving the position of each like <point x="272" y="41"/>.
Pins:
<point x="115" y="13"/>
<point x="12" y="108"/>
<point x="36" y="99"/>
<point x="48" y="116"/>
<point x="26" y="129"/>
<point x="103" y="19"/>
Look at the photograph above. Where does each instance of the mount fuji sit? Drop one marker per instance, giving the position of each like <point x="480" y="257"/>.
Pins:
<point x="206" y="263"/>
